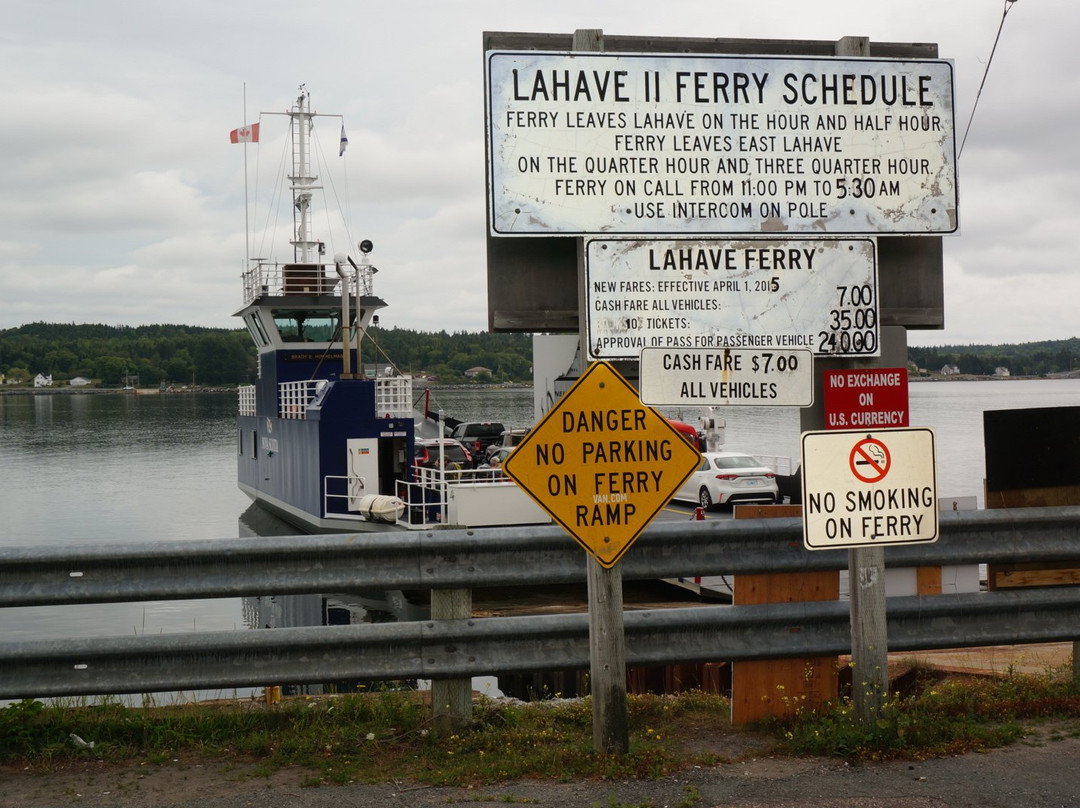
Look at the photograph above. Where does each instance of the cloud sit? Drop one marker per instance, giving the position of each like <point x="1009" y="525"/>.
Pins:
<point x="123" y="202"/>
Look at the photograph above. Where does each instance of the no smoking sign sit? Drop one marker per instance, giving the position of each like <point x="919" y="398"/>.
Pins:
<point x="864" y="488"/>
<point x="869" y="460"/>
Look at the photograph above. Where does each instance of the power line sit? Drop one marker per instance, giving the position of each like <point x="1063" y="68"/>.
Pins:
<point x="1004" y="14"/>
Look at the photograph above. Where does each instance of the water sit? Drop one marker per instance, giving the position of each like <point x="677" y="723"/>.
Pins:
<point x="98" y="469"/>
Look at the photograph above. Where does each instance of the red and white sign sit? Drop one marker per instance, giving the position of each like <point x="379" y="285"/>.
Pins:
<point x="873" y="398"/>
<point x="860" y="489"/>
<point x="869" y="460"/>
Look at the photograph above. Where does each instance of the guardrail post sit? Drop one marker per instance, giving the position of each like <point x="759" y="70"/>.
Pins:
<point x="451" y="699"/>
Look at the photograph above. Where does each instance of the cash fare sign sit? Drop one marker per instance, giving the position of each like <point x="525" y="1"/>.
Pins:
<point x="602" y="463"/>
<point x="863" y="488"/>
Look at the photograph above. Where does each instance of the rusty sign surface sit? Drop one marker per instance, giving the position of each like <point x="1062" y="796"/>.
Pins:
<point x="820" y="295"/>
<point x="634" y="143"/>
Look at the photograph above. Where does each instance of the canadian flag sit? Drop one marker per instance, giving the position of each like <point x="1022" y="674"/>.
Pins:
<point x="245" y="134"/>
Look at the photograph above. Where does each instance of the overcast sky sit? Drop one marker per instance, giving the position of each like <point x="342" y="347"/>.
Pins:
<point x="122" y="200"/>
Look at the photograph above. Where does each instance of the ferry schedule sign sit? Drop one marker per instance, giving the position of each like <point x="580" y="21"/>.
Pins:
<point x="817" y="295"/>
<point x="602" y="463"/>
<point x="592" y="142"/>
<point x="864" y="488"/>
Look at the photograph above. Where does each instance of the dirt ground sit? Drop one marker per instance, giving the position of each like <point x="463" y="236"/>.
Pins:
<point x="1042" y="770"/>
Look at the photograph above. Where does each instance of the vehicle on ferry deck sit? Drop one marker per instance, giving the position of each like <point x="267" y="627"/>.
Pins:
<point x="478" y="436"/>
<point x="724" y="478"/>
<point x="426" y="454"/>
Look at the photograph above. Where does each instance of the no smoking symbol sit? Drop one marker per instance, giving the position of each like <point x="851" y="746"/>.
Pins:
<point x="870" y="460"/>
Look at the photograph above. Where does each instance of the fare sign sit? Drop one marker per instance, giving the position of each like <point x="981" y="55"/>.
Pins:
<point x="870" y="398"/>
<point x="862" y="488"/>
<point x="701" y="377"/>
<point x="602" y="463"/>
<point x="819" y="295"/>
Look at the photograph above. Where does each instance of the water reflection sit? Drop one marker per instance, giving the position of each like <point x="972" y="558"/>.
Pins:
<point x="296" y="611"/>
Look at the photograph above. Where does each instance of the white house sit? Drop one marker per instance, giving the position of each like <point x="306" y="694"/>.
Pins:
<point x="43" y="381"/>
<point x="79" y="381"/>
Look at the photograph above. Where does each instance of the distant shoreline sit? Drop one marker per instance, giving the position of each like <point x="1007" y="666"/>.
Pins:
<point x="153" y="391"/>
<point x="110" y="391"/>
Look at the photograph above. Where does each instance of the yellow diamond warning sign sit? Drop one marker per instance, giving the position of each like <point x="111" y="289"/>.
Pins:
<point x="602" y="463"/>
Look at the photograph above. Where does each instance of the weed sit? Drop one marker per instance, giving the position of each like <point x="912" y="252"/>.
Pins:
<point x="690" y="797"/>
<point x="935" y="718"/>
<point x="362" y="736"/>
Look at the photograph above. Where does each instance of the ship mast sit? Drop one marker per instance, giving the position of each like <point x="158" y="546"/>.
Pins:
<point x="305" y="248"/>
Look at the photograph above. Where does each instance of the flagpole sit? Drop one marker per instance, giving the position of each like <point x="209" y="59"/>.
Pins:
<point x="247" y="227"/>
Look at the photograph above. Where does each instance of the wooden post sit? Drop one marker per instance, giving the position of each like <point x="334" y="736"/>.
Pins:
<point x="869" y="641"/>
<point x="451" y="699"/>
<point x="866" y="566"/>
<point x="607" y="645"/>
<point x="1076" y="663"/>
<point x="607" y="660"/>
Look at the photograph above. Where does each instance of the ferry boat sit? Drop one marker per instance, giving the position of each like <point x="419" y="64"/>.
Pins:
<point x="323" y="441"/>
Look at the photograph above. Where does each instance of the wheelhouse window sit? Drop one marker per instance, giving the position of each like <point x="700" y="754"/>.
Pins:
<point x="307" y="326"/>
<point x="256" y="330"/>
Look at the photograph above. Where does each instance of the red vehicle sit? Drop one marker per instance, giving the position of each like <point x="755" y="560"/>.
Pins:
<point x="693" y="436"/>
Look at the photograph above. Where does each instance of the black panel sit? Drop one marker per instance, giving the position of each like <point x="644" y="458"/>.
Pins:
<point x="1033" y="448"/>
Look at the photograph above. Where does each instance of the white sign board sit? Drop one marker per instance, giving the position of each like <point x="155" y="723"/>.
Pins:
<point x="818" y="295"/>
<point x="861" y="488"/>
<point x="591" y="143"/>
<point x="702" y="377"/>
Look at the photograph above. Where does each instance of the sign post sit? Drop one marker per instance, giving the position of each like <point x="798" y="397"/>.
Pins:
<point x="603" y="465"/>
<point x="863" y="491"/>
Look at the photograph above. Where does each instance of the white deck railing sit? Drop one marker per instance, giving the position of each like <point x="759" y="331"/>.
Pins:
<point x="778" y="463"/>
<point x="294" y="397"/>
<point x="393" y="397"/>
<point x="246" y="404"/>
<point x="274" y="280"/>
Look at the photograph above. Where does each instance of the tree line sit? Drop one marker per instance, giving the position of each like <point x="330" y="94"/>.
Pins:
<point x="193" y="355"/>
<point x="1025" y="359"/>
<point x="179" y="354"/>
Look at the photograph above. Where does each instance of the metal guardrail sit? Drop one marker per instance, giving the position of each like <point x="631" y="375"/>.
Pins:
<point x="520" y="556"/>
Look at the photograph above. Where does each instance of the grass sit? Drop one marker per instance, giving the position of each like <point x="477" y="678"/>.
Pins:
<point x="936" y="717"/>
<point x="371" y="737"/>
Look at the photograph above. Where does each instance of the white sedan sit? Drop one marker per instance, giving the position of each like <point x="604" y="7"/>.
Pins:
<point x="727" y="477"/>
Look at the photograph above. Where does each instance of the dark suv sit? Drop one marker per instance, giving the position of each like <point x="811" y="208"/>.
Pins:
<point x="478" y="435"/>
<point x="427" y="453"/>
